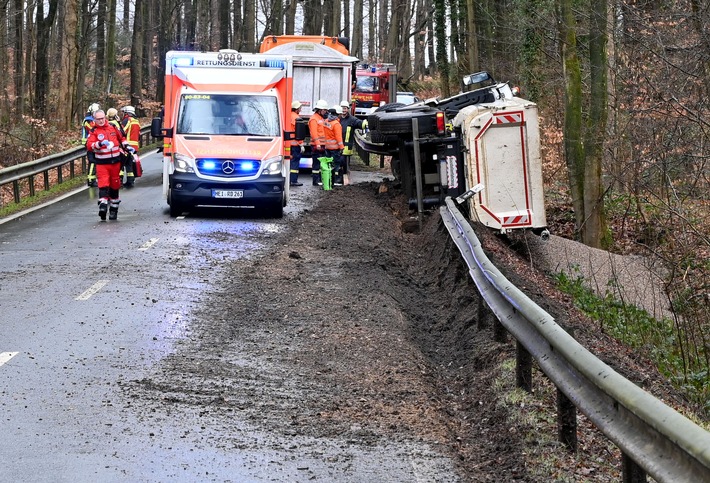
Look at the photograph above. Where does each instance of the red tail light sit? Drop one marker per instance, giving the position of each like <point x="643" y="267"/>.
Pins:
<point x="440" y="122"/>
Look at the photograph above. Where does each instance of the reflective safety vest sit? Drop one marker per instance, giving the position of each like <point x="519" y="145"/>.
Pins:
<point x="132" y="128"/>
<point x="333" y="134"/>
<point x="316" y="126"/>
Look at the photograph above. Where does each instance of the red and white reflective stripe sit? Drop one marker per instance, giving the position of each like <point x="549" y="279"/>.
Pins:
<point x="516" y="220"/>
<point x="509" y="118"/>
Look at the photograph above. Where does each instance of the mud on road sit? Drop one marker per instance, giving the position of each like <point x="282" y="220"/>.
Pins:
<point x="357" y="331"/>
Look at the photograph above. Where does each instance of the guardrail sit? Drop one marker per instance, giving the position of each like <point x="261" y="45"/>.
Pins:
<point x="68" y="164"/>
<point x="654" y="439"/>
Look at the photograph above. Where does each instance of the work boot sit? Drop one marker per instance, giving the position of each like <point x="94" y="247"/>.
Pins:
<point x="113" y="210"/>
<point x="103" y="208"/>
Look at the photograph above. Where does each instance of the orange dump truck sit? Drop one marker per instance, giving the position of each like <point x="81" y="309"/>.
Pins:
<point x="224" y="130"/>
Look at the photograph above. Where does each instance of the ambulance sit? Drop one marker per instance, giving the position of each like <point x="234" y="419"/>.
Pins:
<point x="224" y="129"/>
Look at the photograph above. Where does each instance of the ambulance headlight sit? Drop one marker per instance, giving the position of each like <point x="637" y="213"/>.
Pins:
<point x="272" y="165"/>
<point x="184" y="164"/>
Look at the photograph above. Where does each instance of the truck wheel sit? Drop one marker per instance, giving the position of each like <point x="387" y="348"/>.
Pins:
<point x="400" y="122"/>
<point x="176" y="208"/>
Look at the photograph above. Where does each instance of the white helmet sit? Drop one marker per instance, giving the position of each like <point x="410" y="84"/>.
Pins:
<point x="338" y="109"/>
<point x="93" y="107"/>
<point x="129" y="110"/>
<point x="295" y="105"/>
<point x="345" y="104"/>
<point x="321" y="104"/>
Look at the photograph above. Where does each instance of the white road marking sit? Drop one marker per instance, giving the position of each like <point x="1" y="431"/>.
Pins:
<point x="6" y="356"/>
<point x="92" y="290"/>
<point x="149" y="244"/>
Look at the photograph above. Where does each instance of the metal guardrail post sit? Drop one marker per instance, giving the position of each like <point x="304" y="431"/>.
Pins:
<point x="523" y="367"/>
<point x="566" y="421"/>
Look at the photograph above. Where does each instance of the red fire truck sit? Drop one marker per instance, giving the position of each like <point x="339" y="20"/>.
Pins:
<point x="375" y="86"/>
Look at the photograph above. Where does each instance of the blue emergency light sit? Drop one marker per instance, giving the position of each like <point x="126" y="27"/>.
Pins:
<point x="183" y="61"/>
<point x="209" y="164"/>
<point x="276" y="64"/>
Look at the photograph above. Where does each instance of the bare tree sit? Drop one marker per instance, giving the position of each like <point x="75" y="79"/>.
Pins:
<point x="67" y="73"/>
<point x="42" y="86"/>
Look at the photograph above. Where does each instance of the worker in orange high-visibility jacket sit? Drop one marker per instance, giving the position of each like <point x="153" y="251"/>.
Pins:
<point x="334" y="142"/>
<point x="107" y="142"/>
<point x="132" y="129"/>
<point x="316" y="128"/>
<point x="295" y="145"/>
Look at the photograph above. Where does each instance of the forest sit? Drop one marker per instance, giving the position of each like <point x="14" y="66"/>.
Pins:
<point x="622" y="87"/>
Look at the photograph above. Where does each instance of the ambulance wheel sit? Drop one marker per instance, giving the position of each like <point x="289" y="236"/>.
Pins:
<point x="176" y="208"/>
<point x="277" y="210"/>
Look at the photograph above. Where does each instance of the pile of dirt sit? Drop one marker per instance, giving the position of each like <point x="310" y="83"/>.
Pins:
<point x="362" y="323"/>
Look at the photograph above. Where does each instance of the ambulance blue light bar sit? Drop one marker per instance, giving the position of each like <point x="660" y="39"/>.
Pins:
<point x="276" y="64"/>
<point x="183" y="61"/>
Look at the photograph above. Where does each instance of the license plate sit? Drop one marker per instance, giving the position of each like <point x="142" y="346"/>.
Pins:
<point x="227" y="193"/>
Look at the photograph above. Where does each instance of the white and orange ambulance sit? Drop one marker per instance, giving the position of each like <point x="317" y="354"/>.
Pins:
<point x="224" y="128"/>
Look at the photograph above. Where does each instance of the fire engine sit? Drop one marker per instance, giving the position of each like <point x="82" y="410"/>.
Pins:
<point x="375" y="86"/>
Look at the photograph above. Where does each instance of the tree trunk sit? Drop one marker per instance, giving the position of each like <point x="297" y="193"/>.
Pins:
<point x="81" y="103"/>
<point x="249" y="25"/>
<point x="100" y="64"/>
<point x="441" y="23"/>
<point x="224" y="24"/>
<point x="356" y="44"/>
<point x="44" y="25"/>
<point x="137" y="53"/>
<point x="594" y="228"/>
<point x="419" y="67"/>
<point x="111" y="45"/>
<point x="238" y="20"/>
<point x="5" y="83"/>
<point x="574" y="152"/>
<point x="312" y="17"/>
<point x="18" y="56"/>
<point x="290" y="17"/>
<point x="67" y="71"/>
<point x="371" y="32"/>
<point x="474" y="64"/>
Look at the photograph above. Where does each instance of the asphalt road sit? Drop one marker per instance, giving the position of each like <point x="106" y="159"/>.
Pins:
<point x="86" y="305"/>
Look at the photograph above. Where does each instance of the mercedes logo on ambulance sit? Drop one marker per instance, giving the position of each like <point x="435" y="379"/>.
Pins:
<point x="228" y="167"/>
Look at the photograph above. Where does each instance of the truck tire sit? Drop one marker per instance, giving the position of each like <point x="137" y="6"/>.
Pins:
<point x="373" y="119"/>
<point x="400" y="122"/>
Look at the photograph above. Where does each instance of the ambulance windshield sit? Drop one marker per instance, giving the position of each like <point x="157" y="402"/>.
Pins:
<point x="228" y="114"/>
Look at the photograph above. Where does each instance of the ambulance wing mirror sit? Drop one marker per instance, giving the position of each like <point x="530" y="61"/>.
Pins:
<point x="157" y="131"/>
<point x="302" y="131"/>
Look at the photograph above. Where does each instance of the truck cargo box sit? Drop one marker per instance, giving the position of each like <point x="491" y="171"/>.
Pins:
<point x="503" y="155"/>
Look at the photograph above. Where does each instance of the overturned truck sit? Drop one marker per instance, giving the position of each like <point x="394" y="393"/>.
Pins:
<point x="481" y="146"/>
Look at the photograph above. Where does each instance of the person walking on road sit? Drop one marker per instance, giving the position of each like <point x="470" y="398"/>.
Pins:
<point x="316" y="128"/>
<point x="349" y="124"/>
<point x="106" y="142"/>
<point x="295" y="145"/>
<point x="86" y="126"/>
<point x="132" y="130"/>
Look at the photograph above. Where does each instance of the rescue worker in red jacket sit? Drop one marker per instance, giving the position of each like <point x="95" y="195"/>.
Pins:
<point x="86" y="126"/>
<point x="295" y="145"/>
<point x="315" y="127"/>
<point x="132" y="129"/>
<point x="334" y="142"/>
<point x="106" y="142"/>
